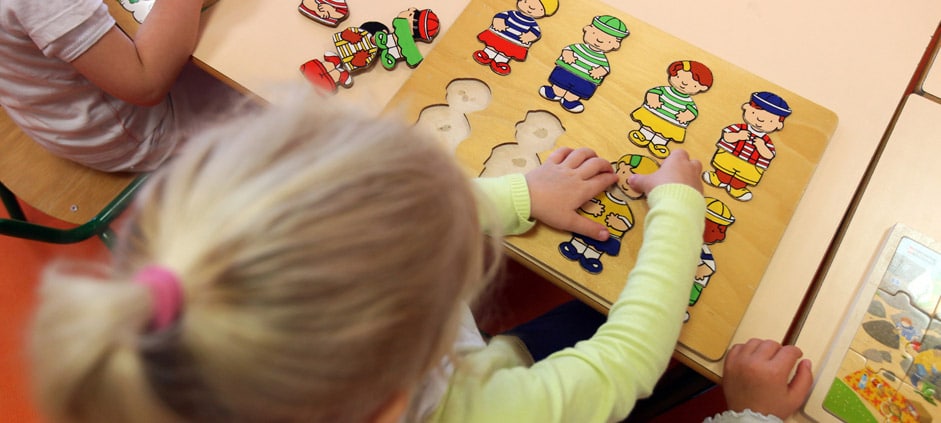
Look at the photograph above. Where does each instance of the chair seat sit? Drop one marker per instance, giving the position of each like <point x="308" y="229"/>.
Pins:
<point x="58" y="187"/>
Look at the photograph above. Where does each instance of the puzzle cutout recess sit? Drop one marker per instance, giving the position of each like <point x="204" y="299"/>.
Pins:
<point x="891" y="371"/>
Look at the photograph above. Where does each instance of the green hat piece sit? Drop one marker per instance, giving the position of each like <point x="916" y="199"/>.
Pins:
<point x="611" y="26"/>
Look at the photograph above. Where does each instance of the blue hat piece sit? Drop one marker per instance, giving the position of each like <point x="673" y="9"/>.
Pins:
<point x="772" y="103"/>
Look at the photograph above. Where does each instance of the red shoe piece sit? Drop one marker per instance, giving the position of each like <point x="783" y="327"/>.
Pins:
<point x="482" y="57"/>
<point x="345" y="79"/>
<point x="333" y="58"/>
<point x="316" y="73"/>
<point x="500" y="68"/>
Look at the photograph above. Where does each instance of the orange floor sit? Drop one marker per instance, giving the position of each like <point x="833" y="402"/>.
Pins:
<point x="526" y="297"/>
<point x="20" y="264"/>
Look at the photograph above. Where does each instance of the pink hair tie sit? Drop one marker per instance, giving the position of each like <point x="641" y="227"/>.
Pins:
<point x="166" y="293"/>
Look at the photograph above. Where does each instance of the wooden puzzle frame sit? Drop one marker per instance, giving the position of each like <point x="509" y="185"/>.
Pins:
<point x="604" y="125"/>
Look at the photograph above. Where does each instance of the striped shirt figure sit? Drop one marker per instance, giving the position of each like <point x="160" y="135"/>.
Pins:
<point x="668" y="110"/>
<point x="745" y="150"/>
<point x="517" y="24"/>
<point x="582" y="67"/>
<point x="673" y="103"/>
<point x="511" y="33"/>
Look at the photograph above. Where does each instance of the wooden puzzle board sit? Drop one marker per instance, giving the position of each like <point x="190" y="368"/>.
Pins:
<point x="638" y="65"/>
<point x="885" y="363"/>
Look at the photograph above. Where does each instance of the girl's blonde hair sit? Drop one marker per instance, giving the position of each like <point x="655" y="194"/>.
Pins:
<point x="323" y="255"/>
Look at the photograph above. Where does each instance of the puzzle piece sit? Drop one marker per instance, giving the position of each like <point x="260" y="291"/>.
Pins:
<point x="409" y="26"/>
<point x="745" y="150"/>
<point x="582" y="67"/>
<point x="327" y="12"/>
<point x="512" y="33"/>
<point x="668" y="110"/>
<point x="917" y="272"/>
<point x="610" y="208"/>
<point x="138" y="8"/>
<point x="718" y="218"/>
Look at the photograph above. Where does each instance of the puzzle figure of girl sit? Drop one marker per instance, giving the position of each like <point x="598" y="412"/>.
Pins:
<point x="512" y="33"/>
<point x="582" y="67"/>
<point x="668" y="110"/>
<point x="745" y="150"/>
<point x="327" y="12"/>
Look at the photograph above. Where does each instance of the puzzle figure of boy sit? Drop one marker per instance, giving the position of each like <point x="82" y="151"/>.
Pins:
<point x="512" y="33"/>
<point x="610" y="208"/>
<point x="745" y="150"/>
<point x="327" y="12"/>
<point x="718" y="219"/>
<point x="668" y="110"/>
<point x="408" y="27"/>
<point x="355" y="52"/>
<point x="582" y="67"/>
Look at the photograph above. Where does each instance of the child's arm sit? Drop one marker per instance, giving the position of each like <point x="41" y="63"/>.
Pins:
<point x="757" y="378"/>
<point x="600" y="379"/>
<point x="142" y="70"/>
<point x="550" y="193"/>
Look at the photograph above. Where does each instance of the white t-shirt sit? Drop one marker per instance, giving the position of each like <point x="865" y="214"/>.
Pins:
<point x="60" y="108"/>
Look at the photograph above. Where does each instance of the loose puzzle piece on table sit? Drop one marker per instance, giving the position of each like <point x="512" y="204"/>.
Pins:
<point x="892" y="369"/>
<point x="357" y="48"/>
<point x="327" y="12"/>
<point x="138" y="8"/>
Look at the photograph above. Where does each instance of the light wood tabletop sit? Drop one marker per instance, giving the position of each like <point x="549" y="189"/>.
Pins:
<point x="854" y="58"/>
<point x="898" y="192"/>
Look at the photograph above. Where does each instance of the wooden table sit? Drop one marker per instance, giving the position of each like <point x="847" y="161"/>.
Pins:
<point x="853" y="58"/>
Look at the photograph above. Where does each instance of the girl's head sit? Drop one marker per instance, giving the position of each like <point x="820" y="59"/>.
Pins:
<point x="689" y="77"/>
<point x="322" y="256"/>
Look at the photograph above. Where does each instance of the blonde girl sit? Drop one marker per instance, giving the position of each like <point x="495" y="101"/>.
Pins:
<point x="318" y="259"/>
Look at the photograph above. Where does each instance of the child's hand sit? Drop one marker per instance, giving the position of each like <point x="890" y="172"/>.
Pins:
<point x="756" y="377"/>
<point x="677" y="168"/>
<point x="566" y="181"/>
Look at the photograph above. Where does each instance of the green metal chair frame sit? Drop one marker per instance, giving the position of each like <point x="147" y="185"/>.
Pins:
<point x="18" y="226"/>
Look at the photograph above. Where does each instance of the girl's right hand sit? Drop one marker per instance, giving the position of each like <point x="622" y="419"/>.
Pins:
<point x="677" y="168"/>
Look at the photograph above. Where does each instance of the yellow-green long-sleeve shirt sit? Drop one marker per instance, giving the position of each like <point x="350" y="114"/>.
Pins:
<point x="599" y="379"/>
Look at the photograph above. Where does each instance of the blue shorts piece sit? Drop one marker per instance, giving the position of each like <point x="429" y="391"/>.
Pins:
<point x="572" y="83"/>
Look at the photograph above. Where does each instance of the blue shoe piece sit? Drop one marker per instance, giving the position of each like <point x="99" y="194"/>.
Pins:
<point x="547" y="93"/>
<point x="568" y="250"/>
<point x="573" y="106"/>
<point x="591" y="265"/>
